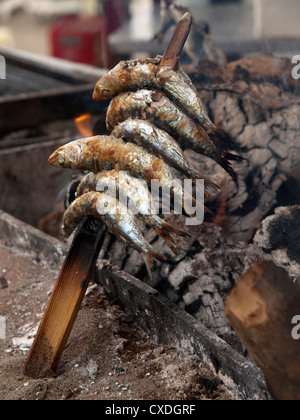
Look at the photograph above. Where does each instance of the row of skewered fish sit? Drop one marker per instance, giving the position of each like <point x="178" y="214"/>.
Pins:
<point x="155" y="113"/>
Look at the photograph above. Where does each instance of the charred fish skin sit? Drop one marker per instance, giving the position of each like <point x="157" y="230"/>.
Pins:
<point x="175" y="84"/>
<point x="157" y="108"/>
<point x="122" y="185"/>
<point x="102" y="153"/>
<point x="178" y="87"/>
<point x="140" y="200"/>
<point x="135" y="75"/>
<point x="160" y="143"/>
<point x="117" y="219"/>
<point x="105" y="153"/>
<point x="76" y="212"/>
<point x="127" y="75"/>
<point x="138" y="74"/>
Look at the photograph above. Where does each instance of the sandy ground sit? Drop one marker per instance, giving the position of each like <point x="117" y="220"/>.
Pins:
<point x="106" y="358"/>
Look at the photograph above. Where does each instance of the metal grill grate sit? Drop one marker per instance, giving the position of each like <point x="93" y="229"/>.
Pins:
<point x="20" y="80"/>
<point x="39" y="90"/>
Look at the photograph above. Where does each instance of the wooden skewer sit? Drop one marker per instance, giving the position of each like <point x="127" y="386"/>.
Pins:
<point x="65" y="301"/>
<point x="172" y="54"/>
<point x="72" y="282"/>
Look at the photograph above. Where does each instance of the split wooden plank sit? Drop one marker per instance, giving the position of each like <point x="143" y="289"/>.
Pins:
<point x="261" y="308"/>
<point x="65" y="300"/>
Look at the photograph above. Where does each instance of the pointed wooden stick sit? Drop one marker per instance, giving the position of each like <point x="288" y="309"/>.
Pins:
<point x="65" y="301"/>
<point x="172" y="54"/>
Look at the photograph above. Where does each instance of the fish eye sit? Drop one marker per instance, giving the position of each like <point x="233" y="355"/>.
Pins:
<point x="61" y="160"/>
<point x="105" y="92"/>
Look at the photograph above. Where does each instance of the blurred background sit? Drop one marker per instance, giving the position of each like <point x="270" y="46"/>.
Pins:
<point x="100" y="32"/>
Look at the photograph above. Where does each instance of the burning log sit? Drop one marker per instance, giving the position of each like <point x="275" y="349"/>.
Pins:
<point x="262" y="308"/>
<point x="256" y="101"/>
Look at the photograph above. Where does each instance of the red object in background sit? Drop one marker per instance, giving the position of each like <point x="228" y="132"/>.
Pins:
<point x="116" y="12"/>
<point x="83" y="40"/>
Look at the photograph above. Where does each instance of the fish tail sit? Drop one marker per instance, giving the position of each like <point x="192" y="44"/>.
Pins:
<point x="224" y="142"/>
<point x="207" y="183"/>
<point x="210" y="184"/>
<point x="220" y="138"/>
<point x="207" y="210"/>
<point x="231" y="156"/>
<point x="167" y="232"/>
<point x="224" y="161"/>
<point x="202" y="191"/>
<point x="149" y="258"/>
<point x="196" y="204"/>
<point x="229" y="169"/>
<point x="172" y="230"/>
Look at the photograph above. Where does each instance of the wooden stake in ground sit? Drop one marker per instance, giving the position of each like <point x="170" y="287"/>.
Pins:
<point x="65" y="301"/>
<point x="261" y="308"/>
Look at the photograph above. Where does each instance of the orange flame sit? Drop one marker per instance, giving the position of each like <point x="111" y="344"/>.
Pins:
<point x="84" y="125"/>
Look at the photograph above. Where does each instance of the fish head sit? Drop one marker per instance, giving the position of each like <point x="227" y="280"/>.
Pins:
<point x="101" y="92"/>
<point x="86" y="185"/>
<point x="69" y="156"/>
<point x="66" y="231"/>
<point x="111" y="84"/>
<point x="105" y="88"/>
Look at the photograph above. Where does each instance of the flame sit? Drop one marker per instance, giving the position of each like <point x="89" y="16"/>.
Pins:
<point x="84" y="125"/>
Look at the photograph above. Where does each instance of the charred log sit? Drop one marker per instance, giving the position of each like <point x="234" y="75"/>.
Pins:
<point x="279" y="237"/>
<point x="261" y="308"/>
<point x="256" y="101"/>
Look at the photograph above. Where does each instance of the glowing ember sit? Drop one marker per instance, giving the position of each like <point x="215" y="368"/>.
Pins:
<point x="84" y="126"/>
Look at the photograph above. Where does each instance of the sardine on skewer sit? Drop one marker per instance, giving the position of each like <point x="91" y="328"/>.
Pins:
<point x="160" y="143"/>
<point x="134" y="75"/>
<point x="101" y="153"/>
<point x="157" y="108"/>
<point x="118" y="220"/>
<point x="136" y="195"/>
